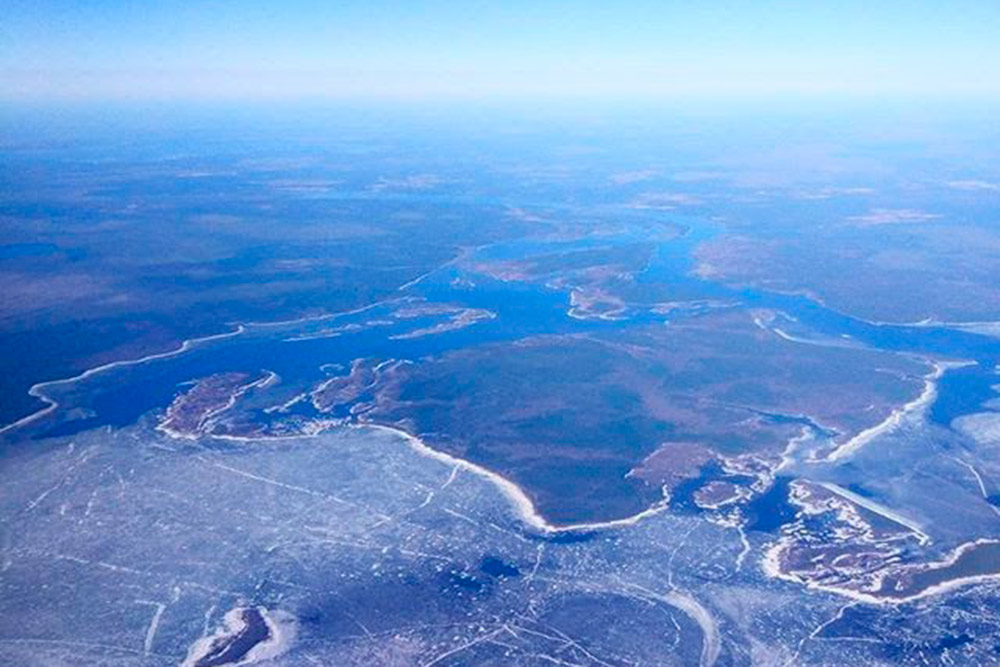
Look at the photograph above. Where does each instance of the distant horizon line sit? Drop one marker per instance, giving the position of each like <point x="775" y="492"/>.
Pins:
<point x="490" y="98"/>
<point x="33" y="84"/>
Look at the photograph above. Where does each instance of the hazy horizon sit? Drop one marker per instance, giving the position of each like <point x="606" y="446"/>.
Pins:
<point x="53" y="50"/>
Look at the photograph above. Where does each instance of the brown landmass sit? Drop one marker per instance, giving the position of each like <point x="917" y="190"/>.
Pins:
<point x="885" y="273"/>
<point x="188" y="414"/>
<point x="569" y="417"/>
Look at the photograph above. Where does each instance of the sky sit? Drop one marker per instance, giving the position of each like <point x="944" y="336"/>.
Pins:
<point x="194" y="49"/>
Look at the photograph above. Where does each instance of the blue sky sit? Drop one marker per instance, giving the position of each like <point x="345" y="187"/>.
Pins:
<point x="437" y="48"/>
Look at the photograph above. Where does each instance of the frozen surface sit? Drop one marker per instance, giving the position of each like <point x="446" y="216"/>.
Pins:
<point x="128" y="547"/>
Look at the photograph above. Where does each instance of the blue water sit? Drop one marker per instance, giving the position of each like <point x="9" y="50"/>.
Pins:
<point x="768" y="512"/>
<point x="682" y="495"/>
<point x="524" y="310"/>
<point x="961" y="392"/>
<point x="120" y="397"/>
<point x="27" y="250"/>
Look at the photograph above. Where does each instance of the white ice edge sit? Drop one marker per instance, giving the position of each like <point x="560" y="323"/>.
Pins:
<point x="895" y="418"/>
<point x="38" y="390"/>
<point x="772" y="569"/>
<point x="526" y="511"/>
<point x="281" y="627"/>
<point x="972" y="326"/>
<point x="523" y="505"/>
<point x="881" y="510"/>
<point x="281" y="632"/>
<point x="269" y="379"/>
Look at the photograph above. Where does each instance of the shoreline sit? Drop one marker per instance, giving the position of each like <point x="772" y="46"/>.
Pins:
<point x="38" y="389"/>
<point x="896" y="417"/>
<point x="772" y="569"/>
<point x="523" y="505"/>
